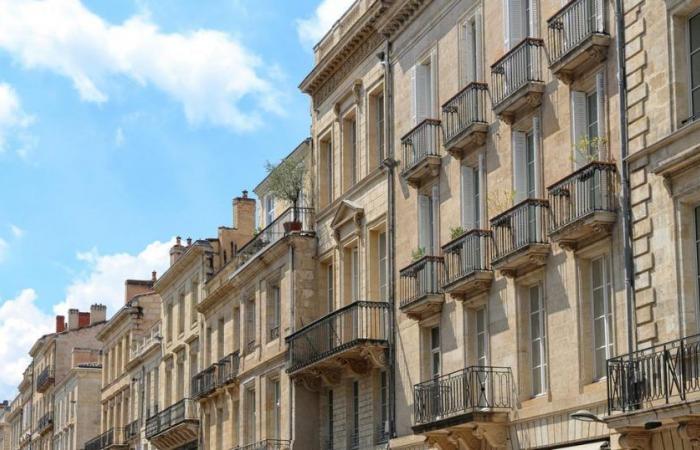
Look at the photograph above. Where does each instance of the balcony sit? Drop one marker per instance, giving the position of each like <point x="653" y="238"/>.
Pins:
<point x="479" y="397"/>
<point x="150" y="340"/>
<point x="45" y="423"/>
<point x="227" y="370"/>
<point x="204" y="382"/>
<point x="468" y="264"/>
<point x="464" y="120"/>
<point x="583" y="205"/>
<point x="354" y="337"/>
<point x="267" y="444"/>
<point x="114" y="438"/>
<point x="420" y="295"/>
<point x="577" y="38"/>
<point x="520" y="238"/>
<point x="517" y="83"/>
<point x="216" y="376"/>
<point x="45" y="379"/>
<point x="421" y="152"/>
<point x="131" y="431"/>
<point x="175" y="426"/>
<point x="665" y="374"/>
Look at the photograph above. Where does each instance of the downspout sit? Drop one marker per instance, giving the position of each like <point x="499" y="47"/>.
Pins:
<point x="292" y="297"/>
<point x="624" y="151"/>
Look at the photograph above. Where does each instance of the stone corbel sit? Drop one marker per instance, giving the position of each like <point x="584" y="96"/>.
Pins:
<point x="311" y="382"/>
<point x="357" y="92"/>
<point x="635" y="440"/>
<point x="440" y="442"/>
<point x="376" y="356"/>
<point x="496" y="434"/>
<point x="690" y="431"/>
<point x="465" y="439"/>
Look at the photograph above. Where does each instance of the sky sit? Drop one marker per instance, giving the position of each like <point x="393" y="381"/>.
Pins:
<point x="124" y="124"/>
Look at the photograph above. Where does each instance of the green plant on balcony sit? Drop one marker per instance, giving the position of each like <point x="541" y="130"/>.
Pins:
<point x="456" y="232"/>
<point x="589" y="149"/>
<point x="285" y="181"/>
<point x="418" y="253"/>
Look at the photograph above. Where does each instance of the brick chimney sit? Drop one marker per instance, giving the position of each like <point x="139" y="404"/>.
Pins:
<point x="73" y="315"/>
<point x="60" y="323"/>
<point x="133" y="288"/>
<point x="244" y="214"/>
<point x="176" y="250"/>
<point x="83" y="319"/>
<point x="98" y="313"/>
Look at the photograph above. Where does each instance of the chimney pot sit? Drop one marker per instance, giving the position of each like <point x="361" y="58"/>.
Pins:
<point x="154" y="276"/>
<point x="60" y="323"/>
<point x="98" y="313"/>
<point x="73" y="319"/>
<point x="245" y="194"/>
<point x="178" y="240"/>
<point x="189" y="241"/>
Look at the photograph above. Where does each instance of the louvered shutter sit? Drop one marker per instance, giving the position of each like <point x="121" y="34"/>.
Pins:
<point x="469" y="66"/>
<point x="506" y="23"/>
<point x="519" y="166"/>
<point x="534" y="19"/>
<point x="537" y="139"/>
<point x="435" y="219"/>
<point x="599" y="17"/>
<point x="516" y="21"/>
<point x="424" y="234"/>
<point x="578" y="128"/>
<point x="412" y="72"/>
<point x="468" y="218"/>
<point x="432" y="84"/>
<point x="479" y="70"/>
<point x="421" y="93"/>
<point x="601" y="96"/>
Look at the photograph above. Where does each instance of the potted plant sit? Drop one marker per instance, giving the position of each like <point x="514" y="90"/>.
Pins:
<point x="285" y="181"/>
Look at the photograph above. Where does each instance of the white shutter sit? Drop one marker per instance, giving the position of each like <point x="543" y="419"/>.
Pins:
<point x="479" y="70"/>
<point x="412" y="73"/>
<point x="534" y="19"/>
<point x="578" y="127"/>
<point x="432" y="86"/>
<point x="420" y="90"/>
<point x="516" y="21"/>
<point x="468" y="219"/>
<point x="424" y="222"/>
<point x="601" y="96"/>
<point x="435" y="218"/>
<point x="599" y="15"/>
<point x="469" y="67"/>
<point x="537" y="139"/>
<point x="519" y="166"/>
<point x="506" y="23"/>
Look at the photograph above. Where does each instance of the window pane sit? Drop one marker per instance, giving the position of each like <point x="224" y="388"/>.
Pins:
<point x="695" y="33"/>
<point x="695" y="70"/>
<point x="696" y="102"/>
<point x="434" y="338"/>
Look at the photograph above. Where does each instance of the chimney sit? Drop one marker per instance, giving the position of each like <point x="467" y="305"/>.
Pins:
<point x="98" y="313"/>
<point x="176" y="250"/>
<point x="83" y="319"/>
<point x="60" y="323"/>
<point x="73" y="319"/>
<point x="154" y="276"/>
<point x="244" y="214"/>
<point x="189" y="241"/>
<point x="133" y="288"/>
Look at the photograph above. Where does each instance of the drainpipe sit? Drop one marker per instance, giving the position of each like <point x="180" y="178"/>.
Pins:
<point x="624" y="151"/>
<point x="292" y="297"/>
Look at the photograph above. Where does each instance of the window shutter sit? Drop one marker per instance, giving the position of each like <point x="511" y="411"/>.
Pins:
<point x="519" y="166"/>
<point x="534" y="19"/>
<point x="468" y="218"/>
<point x="414" y="94"/>
<point x="537" y="139"/>
<point x="469" y="67"/>
<point x="435" y="219"/>
<point x="601" y="93"/>
<point x="578" y="127"/>
<point x="599" y="16"/>
<point x="424" y="222"/>
<point x="516" y="20"/>
<point x="432" y="86"/>
<point x="479" y="70"/>
<point x="420" y="90"/>
<point x="506" y="23"/>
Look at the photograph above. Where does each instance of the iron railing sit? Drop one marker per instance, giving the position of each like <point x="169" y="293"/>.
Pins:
<point x="464" y="109"/>
<point x="520" y="66"/>
<point x="45" y="378"/>
<point x="522" y="225"/>
<point x="467" y="254"/>
<point x="419" y="143"/>
<point x="354" y="324"/>
<point x="267" y="444"/>
<point x="420" y="279"/>
<point x="113" y="436"/>
<point x="204" y="382"/>
<point x="663" y="373"/>
<point x="274" y="232"/>
<point x="45" y="421"/>
<point x="573" y="24"/>
<point x="142" y="345"/>
<point x="465" y="391"/>
<point x="131" y="431"/>
<point x="227" y="369"/>
<point x="588" y="190"/>
<point x="183" y="411"/>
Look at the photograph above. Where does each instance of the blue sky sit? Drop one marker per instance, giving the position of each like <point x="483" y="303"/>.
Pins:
<point x="123" y="124"/>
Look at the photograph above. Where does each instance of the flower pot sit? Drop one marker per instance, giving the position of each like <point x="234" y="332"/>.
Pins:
<point x="292" y="226"/>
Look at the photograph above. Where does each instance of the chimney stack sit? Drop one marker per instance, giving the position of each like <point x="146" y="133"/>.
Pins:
<point x="176" y="250"/>
<point x="60" y="323"/>
<point x="98" y="313"/>
<point x="133" y="288"/>
<point x="189" y="241"/>
<point x="154" y="276"/>
<point x="73" y="315"/>
<point x="244" y="214"/>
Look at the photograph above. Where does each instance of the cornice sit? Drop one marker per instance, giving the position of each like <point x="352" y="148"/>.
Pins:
<point x="179" y="267"/>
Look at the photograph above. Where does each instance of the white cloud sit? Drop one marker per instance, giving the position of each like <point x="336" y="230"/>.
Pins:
<point x="4" y="246"/>
<point x="103" y="280"/>
<point x="13" y="119"/>
<point x="21" y="323"/>
<point x="312" y="29"/>
<point x="17" y="232"/>
<point x="209" y="72"/>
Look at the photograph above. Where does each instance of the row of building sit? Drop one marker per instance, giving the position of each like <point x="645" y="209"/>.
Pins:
<point x="497" y="246"/>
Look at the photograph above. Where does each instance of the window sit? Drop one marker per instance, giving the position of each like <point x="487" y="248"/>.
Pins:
<point x="602" y="314"/>
<point x="194" y="299"/>
<point x="383" y="266"/>
<point x="181" y="313"/>
<point x="170" y="321"/>
<point x="538" y="340"/>
<point x="585" y="123"/>
<point x="423" y="90"/>
<point x="330" y="294"/>
<point x="435" y="352"/>
<point x="210" y="344"/>
<point x="428" y="215"/>
<point x="350" y="152"/>
<point x="251" y="416"/>
<point x="220" y="339"/>
<point x="383" y="406"/>
<point x="220" y="427"/>
<point x="355" y="274"/>
<point x="694" y="34"/>
<point x="273" y="312"/>
<point x="355" y="436"/>
<point x="379" y="126"/>
<point x="471" y="197"/>
<point x="275" y="400"/>
<point x="331" y="425"/>
<point x="471" y="52"/>
<point x="522" y="21"/>
<point x="482" y="338"/>
<point x="326" y="168"/>
<point x="524" y="165"/>
<point x="375" y="126"/>
<point x="250" y="324"/>
<point x="269" y="209"/>
<point x="697" y="246"/>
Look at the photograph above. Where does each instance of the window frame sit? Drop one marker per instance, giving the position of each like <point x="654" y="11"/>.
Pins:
<point x="607" y="317"/>
<point x="542" y="368"/>
<point x="693" y="116"/>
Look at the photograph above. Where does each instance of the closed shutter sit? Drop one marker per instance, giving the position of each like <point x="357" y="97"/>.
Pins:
<point x="469" y="68"/>
<point x="534" y="19"/>
<point x="506" y="24"/>
<point x="537" y="139"/>
<point x="519" y="166"/>
<point x="601" y="88"/>
<point x="599" y="17"/>
<point x="412" y="74"/>
<point x="424" y="233"/>
<point x="516" y="22"/>
<point x="468" y="218"/>
<point x="578" y="128"/>
<point x="432" y="86"/>
<point x="435" y="219"/>
<point x="421" y="90"/>
<point x="479" y="70"/>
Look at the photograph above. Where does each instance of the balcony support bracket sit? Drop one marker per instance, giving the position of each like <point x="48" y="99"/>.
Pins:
<point x="441" y="441"/>
<point x="689" y="430"/>
<point x="376" y="356"/>
<point x="495" y="433"/>
<point x="635" y="439"/>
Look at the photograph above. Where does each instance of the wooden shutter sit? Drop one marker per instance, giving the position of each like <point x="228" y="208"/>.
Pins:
<point x="432" y="85"/>
<point x="468" y="219"/>
<point x="516" y="20"/>
<point x="479" y="70"/>
<point x="599" y="15"/>
<point x="534" y="19"/>
<point x="435" y="219"/>
<point x="601" y="94"/>
<point x="420" y="91"/>
<point x="412" y="74"/>
<point x="424" y="235"/>
<point x="519" y="166"/>
<point x="537" y="139"/>
<point x="506" y="24"/>
<point x="469" y="67"/>
<point x="579" y="124"/>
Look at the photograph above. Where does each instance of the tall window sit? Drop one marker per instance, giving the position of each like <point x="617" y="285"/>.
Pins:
<point x="355" y="436"/>
<point x="220" y="339"/>
<point x="522" y="21"/>
<point x="383" y="266"/>
<point x="269" y="209"/>
<point x="471" y="53"/>
<point x="697" y="244"/>
<point x="435" y="352"/>
<point x="273" y="311"/>
<point x="251" y="416"/>
<point x="331" y="425"/>
<point x="220" y="427"/>
<point x="694" y="28"/>
<point x="585" y="123"/>
<point x="276" y="408"/>
<point x="194" y="299"/>
<point x="471" y="198"/>
<point x="602" y="314"/>
<point x="383" y="405"/>
<point x="355" y="274"/>
<point x="350" y="152"/>
<point x="423" y="91"/>
<point x="326" y="167"/>
<point x="170" y="321"/>
<point x="428" y="214"/>
<point x="379" y="126"/>
<point x="181" y="313"/>
<point x="538" y="340"/>
<point x="330" y="294"/>
<point x="250" y="324"/>
<point x="524" y="165"/>
<point x="482" y="338"/>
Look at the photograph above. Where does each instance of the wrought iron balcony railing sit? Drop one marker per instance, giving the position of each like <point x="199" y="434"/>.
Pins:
<point x="183" y="411"/>
<point x="45" y="379"/>
<point x="131" y="431"/>
<point x="463" y="111"/>
<point x="467" y="255"/>
<point x="420" y="279"/>
<point x="267" y="444"/>
<point x="420" y="145"/>
<point x="576" y="22"/>
<point x="112" y="437"/>
<point x="520" y="66"/>
<point x="663" y="374"/>
<point x="588" y="190"/>
<point x="151" y="339"/>
<point x="473" y="389"/>
<point x="45" y="421"/>
<point x="204" y="382"/>
<point x="355" y="324"/>
<point x="227" y="369"/>
<point x="522" y="225"/>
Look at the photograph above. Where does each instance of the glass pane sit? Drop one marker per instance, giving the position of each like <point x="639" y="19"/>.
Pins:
<point x="600" y="358"/>
<point x="536" y="382"/>
<point x="695" y="33"/>
<point x="536" y="354"/>
<point x="434" y="338"/>
<point x="599" y="332"/>
<point x="535" y="326"/>
<point x="596" y="273"/>
<point x="695" y="70"/>
<point x="696" y="102"/>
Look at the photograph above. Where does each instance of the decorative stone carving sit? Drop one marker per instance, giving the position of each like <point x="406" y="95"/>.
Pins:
<point x="496" y="434"/>
<point x="635" y="440"/>
<point x="690" y="431"/>
<point x="376" y="356"/>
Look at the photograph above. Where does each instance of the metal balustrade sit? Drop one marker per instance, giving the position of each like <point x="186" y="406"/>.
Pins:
<point x="204" y="382"/>
<point x="227" y="369"/>
<point x="45" y="378"/>
<point x="183" y="411"/>
<point x="577" y="21"/>
<point x="357" y="323"/>
<point x="45" y="421"/>
<point x="267" y="444"/>
<point x="665" y="373"/>
<point x="111" y="437"/>
<point x="472" y="389"/>
<point x="520" y="226"/>
<point x="131" y="431"/>
<point x="520" y="66"/>
<point x="419" y="143"/>
<point x="467" y="254"/>
<point x="420" y="279"/>
<point x="588" y="190"/>
<point x="464" y="110"/>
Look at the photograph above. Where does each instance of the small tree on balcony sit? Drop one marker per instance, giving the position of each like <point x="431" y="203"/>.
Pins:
<point x="285" y="181"/>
